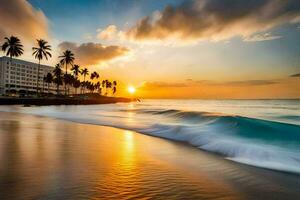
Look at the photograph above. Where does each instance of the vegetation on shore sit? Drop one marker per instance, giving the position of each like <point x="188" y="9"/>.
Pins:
<point x="79" y="78"/>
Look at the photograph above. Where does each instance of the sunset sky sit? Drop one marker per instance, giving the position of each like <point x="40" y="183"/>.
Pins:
<point x="171" y="48"/>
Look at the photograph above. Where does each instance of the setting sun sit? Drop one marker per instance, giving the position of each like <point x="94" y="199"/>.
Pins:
<point x="131" y="89"/>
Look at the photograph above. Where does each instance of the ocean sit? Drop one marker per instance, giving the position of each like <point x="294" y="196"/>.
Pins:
<point x="261" y="133"/>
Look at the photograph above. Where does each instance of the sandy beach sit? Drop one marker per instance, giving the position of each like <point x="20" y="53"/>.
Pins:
<point x="45" y="158"/>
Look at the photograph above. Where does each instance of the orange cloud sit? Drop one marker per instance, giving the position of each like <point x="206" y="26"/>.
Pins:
<point x="93" y="53"/>
<point x="19" y="18"/>
<point x="108" y="33"/>
<point x="215" y="20"/>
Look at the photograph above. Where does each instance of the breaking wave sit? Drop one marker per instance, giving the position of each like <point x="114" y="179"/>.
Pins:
<point x="257" y="142"/>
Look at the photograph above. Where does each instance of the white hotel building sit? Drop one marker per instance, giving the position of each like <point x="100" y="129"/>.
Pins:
<point x="20" y="76"/>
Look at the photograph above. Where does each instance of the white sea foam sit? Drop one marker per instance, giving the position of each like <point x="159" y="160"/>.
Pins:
<point x="254" y="140"/>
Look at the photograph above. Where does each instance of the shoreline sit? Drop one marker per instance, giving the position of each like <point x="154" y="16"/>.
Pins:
<point x="185" y="143"/>
<point x="129" y="160"/>
<point x="63" y="101"/>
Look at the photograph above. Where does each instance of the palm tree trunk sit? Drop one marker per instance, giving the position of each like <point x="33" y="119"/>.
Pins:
<point x="83" y="84"/>
<point x="48" y="88"/>
<point x="65" y="80"/>
<point x="43" y="86"/>
<point x="74" y="84"/>
<point x="10" y="63"/>
<point x="57" y="89"/>
<point x="38" y="78"/>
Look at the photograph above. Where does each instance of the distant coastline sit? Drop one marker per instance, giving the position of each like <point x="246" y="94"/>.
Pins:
<point x="41" y="101"/>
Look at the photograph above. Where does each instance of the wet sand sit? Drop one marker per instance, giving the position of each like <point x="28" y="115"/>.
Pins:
<point x="44" y="158"/>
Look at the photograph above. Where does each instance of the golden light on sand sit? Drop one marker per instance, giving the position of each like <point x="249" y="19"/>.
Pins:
<point x="131" y="89"/>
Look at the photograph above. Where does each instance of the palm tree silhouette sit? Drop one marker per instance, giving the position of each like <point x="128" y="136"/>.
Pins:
<point x="67" y="59"/>
<point x="104" y="86"/>
<point x="108" y="85"/>
<point x="76" y="71"/>
<point x="68" y="79"/>
<point x="114" y="87"/>
<point x="13" y="48"/>
<point x="44" y="80"/>
<point x="84" y="72"/>
<point x="97" y="86"/>
<point x="57" y="77"/>
<point x="41" y="51"/>
<point x="76" y="84"/>
<point x="49" y="80"/>
<point x="94" y="75"/>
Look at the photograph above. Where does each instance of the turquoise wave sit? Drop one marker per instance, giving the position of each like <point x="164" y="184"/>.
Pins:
<point x="253" y="141"/>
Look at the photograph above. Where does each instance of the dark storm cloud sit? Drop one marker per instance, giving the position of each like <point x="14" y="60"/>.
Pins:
<point x="215" y="19"/>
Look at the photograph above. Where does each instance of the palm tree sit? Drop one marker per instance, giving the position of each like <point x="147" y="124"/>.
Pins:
<point x="57" y="76"/>
<point x="96" y="75"/>
<point x="82" y="84"/>
<point x="108" y="84"/>
<point x="92" y="76"/>
<point x="13" y="48"/>
<point x="68" y="79"/>
<point x="67" y="59"/>
<point x="44" y="80"/>
<point x="49" y="80"/>
<point x="76" y="72"/>
<point x="97" y="86"/>
<point x="90" y="86"/>
<point x="114" y="87"/>
<point x="41" y="51"/>
<point x="76" y="84"/>
<point x="84" y="72"/>
<point x="104" y="86"/>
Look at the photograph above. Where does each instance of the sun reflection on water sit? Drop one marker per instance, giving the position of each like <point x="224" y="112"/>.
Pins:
<point x="128" y="148"/>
